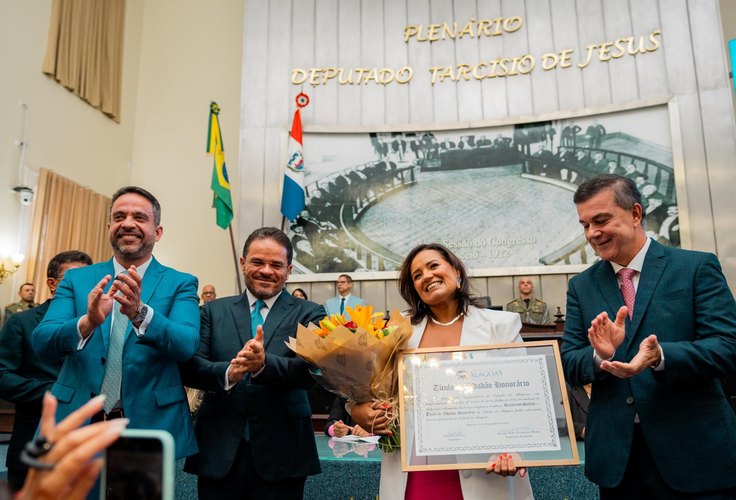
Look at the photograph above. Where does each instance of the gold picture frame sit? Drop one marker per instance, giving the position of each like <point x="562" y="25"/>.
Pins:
<point x="462" y="406"/>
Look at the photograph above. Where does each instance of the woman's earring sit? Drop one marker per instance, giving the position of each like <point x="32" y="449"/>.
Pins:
<point x="459" y="281"/>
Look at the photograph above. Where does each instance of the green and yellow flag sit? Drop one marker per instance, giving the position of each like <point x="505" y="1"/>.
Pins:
<point x="221" y="199"/>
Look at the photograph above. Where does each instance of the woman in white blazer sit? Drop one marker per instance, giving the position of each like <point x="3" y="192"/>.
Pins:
<point x="434" y="282"/>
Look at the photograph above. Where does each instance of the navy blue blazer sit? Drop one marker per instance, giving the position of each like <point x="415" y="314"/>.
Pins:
<point x="152" y="392"/>
<point x="24" y="378"/>
<point x="275" y="403"/>
<point x="683" y="298"/>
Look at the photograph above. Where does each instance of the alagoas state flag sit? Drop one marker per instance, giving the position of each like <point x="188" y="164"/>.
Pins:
<point x="221" y="198"/>
<point x="292" y="196"/>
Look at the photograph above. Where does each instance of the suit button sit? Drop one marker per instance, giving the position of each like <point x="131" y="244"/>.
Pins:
<point x="102" y="361"/>
<point x="630" y="400"/>
<point x="91" y="395"/>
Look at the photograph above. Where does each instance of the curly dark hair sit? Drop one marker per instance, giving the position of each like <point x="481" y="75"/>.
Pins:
<point x="418" y="309"/>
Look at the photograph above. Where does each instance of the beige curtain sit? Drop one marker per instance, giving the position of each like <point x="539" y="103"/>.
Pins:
<point x="84" y="52"/>
<point x="66" y="216"/>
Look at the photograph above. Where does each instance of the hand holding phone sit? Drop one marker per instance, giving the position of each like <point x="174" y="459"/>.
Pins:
<point x="140" y="464"/>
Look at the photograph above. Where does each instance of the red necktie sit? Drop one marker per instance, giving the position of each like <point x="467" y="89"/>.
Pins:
<point x="627" y="288"/>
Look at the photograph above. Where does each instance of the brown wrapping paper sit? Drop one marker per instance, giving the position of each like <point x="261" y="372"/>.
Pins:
<point x="357" y="365"/>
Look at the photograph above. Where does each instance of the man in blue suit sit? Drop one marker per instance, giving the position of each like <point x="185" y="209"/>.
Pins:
<point x="254" y="427"/>
<point x="658" y="425"/>
<point x="24" y="378"/>
<point x="337" y="305"/>
<point x="123" y="337"/>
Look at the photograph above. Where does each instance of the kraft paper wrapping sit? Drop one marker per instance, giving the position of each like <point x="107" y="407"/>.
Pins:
<point x="357" y="365"/>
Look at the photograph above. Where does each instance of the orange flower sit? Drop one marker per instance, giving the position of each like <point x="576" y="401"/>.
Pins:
<point x="362" y="318"/>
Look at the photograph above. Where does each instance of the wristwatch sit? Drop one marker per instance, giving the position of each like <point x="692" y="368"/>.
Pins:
<point x="141" y="315"/>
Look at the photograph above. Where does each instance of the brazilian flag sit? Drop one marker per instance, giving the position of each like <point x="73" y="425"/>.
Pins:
<point x="221" y="199"/>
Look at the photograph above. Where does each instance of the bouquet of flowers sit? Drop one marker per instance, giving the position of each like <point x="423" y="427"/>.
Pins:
<point x="357" y="358"/>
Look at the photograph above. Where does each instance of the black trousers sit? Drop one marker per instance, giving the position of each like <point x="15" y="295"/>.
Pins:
<point x="643" y="480"/>
<point x="243" y="482"/>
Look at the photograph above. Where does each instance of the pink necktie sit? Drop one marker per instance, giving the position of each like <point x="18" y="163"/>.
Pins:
<point x="627" y="288"/>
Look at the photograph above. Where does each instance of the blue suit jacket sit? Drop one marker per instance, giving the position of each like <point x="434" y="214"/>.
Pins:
<point x="152" y="392"/>
<point x="684" y="299"/>
<point x="333" y="305"/>
<point x="274" y="404"/>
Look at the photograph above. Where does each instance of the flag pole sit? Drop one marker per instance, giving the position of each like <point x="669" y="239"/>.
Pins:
<point x="235" y="259"/>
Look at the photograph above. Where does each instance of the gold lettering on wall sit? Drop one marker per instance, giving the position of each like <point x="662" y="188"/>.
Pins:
<point x="351" y="76"/>
<point x="498" y="67"/>
<point x="629" y="45"/>
<point x="474" y="28"/>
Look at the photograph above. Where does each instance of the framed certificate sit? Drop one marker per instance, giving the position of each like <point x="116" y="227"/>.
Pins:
<point x="461" y="407"/>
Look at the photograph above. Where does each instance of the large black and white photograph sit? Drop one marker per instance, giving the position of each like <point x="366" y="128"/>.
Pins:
<point x="500" y="197"/>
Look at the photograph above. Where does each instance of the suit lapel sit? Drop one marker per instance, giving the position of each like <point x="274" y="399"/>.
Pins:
<point x="104" y="328"/>
<point x="651" y="273"/>
<point x="352" y="302"/>
<point x="608" y="287"/>
<point x="151" y="279"/>
<point x="240" y="311"/>
<point x="41" y="310"/>
<point x="276" y="316"/>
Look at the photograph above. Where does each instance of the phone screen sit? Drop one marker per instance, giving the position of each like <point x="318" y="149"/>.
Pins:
<point x="134" y="469"/>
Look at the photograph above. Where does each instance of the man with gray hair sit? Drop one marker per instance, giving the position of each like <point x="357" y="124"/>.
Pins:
<point x="654" y="329"/>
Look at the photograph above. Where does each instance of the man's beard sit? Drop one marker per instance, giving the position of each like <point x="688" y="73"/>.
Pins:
<point x="129" y="254"/>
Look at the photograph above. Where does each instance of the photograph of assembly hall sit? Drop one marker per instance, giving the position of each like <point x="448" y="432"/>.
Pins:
<point x="372" y="196"/>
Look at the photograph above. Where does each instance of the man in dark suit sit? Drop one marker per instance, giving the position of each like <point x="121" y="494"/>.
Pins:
<point x="123" y="337"/>
<point x="659" y="425"/>
<point x="254" y="428"/>
<point x="24" y="378"/>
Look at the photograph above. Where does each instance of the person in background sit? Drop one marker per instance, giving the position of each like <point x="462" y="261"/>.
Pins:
<point x="435" y="284"/>
<point x="27" y="294"/>
<point x="337" y="305"/>
<point x="653" y="328"/>
<point x="24" y="377"/>
<point x="208" y="294"/>
<point x="531" y="309"/>
<point x="124" y="337"/>
<point x="254" y="428"/>
<point x="579" y="398"/>
<point x="339" y="423"/>
<point x="299" y="294"/>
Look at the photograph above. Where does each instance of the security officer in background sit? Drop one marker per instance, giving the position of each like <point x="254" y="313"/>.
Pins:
<point x="530" y="309"/>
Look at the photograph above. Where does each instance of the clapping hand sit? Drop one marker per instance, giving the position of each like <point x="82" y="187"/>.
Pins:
<point x="250" y="359"/>
<point x="99" y="305"/>
<point x="605" y="335"/>
<point x="649" y="355"/>
<point x="126" y="291"/>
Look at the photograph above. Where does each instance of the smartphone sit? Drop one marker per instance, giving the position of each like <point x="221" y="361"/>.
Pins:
<point x="140" y="464"/>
